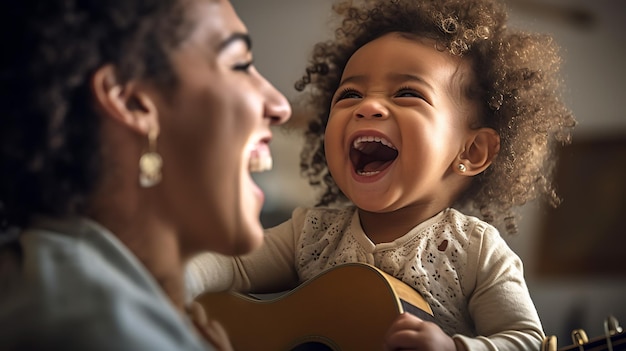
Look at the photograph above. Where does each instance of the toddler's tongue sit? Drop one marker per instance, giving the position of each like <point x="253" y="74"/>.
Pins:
<point x="260" y="158"/>
<point x="376" y="166"/>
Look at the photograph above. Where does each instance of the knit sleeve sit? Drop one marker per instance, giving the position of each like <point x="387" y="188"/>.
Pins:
<point x="268" y="269"/>
<point x="500" y="305"/>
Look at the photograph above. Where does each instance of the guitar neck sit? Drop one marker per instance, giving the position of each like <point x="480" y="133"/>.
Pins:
<point x="616" y="342"/>
<point x="613" y="340"/>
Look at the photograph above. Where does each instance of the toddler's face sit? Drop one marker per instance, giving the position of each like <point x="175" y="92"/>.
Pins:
<point x="398" y="122"/>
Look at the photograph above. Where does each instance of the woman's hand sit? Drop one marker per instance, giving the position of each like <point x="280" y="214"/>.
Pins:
<point x="408" y="332"/>
<point x="211" y="330"/>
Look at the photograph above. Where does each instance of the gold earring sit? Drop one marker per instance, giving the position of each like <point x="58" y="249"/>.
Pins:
<point x="462" y="168"/>
<point x="150" y="164"/>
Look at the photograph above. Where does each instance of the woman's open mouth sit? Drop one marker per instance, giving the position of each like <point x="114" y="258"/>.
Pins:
<point x="371" y="155"/>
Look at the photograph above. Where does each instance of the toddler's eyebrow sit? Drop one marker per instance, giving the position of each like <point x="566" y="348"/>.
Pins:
<point x="396" y="77"/>
<point x="404" y="77"/>
<point x="353" y="79"/>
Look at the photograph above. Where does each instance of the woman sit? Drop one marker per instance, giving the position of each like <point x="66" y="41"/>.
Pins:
<point x="129" y="132"/>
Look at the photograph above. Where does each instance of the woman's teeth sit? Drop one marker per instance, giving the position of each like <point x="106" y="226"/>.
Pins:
<point x="260" y="160"/>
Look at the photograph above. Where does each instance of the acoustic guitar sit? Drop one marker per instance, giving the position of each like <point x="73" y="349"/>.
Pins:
<point x="614" y="339"/>
<point x="348" y="307"/>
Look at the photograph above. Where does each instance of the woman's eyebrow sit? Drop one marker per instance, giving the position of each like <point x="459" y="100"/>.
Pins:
<point x="238" y="36"/>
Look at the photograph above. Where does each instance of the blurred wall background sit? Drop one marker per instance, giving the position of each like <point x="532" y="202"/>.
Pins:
<point x="576" y="272"/>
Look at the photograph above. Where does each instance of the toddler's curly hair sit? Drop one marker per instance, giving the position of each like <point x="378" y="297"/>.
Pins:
<point x="517" y="82"/>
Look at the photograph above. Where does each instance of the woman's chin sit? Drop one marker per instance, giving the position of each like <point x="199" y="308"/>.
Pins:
<point x="243" y="244"/>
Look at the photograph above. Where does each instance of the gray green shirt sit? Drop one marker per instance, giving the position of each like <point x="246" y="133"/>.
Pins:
<point x="72" y="285"/>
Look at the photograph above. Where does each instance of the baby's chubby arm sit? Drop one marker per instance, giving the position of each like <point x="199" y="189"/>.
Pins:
<point x="499" y="302"/>
<point x="270" y="268"/>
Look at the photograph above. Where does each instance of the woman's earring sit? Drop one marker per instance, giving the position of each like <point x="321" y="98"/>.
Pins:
<point x="150" y="164"/>
<point x="462" y="168"/>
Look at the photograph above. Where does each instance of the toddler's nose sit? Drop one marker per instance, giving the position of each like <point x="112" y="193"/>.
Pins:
<point x="371" y="108"/>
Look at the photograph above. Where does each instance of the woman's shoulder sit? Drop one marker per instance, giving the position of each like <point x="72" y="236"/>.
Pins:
<point x="78" y="288"/>
<point x="78" y="252"/>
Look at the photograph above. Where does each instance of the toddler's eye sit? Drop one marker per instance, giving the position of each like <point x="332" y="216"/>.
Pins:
<point x="348" y="94"/>
<point x="408" y="92"/>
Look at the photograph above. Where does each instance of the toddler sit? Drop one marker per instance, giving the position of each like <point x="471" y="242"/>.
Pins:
<point x="433" y="122"/>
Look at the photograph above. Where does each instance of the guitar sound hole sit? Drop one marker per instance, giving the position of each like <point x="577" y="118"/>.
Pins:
<point x="312" y="346"/>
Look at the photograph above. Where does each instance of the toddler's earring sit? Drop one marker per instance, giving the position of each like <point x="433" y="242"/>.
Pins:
<point x="150" y="164"/>
<point x="462" y="168"/>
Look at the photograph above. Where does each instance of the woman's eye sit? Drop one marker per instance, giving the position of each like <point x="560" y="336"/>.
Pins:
<point x="244" y="67"/>
<point x="348" y="94"/>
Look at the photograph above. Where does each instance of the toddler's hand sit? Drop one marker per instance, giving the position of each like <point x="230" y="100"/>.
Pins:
<point x="408" y="332"/>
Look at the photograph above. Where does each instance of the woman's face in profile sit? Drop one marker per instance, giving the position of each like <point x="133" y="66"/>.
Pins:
<point x="215" y="127"/>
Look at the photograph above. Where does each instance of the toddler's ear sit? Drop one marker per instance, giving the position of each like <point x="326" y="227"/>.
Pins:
<point x="126" y="103"/>
<point x="481" y="148"/>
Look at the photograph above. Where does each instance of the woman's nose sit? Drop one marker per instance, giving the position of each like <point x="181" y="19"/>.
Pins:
<point x="277" y="107"/>
<point x="371" y="108"/>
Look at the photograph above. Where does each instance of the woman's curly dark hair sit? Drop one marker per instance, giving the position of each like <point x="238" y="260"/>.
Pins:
<point x="517" y="82"/>
<point x="49" y="146"/>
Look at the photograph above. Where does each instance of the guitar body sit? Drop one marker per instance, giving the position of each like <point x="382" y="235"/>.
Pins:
<point x="349" y="307"/>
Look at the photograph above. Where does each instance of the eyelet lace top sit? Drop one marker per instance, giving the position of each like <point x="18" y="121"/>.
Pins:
<point x="431" y="258"/>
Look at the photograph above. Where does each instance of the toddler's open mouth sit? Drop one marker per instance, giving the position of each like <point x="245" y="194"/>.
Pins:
<point x="371" y="155"/>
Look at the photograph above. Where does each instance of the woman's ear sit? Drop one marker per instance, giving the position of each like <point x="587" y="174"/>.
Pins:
<point x="481" y="148"/>
<point x="127" y="103"/>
